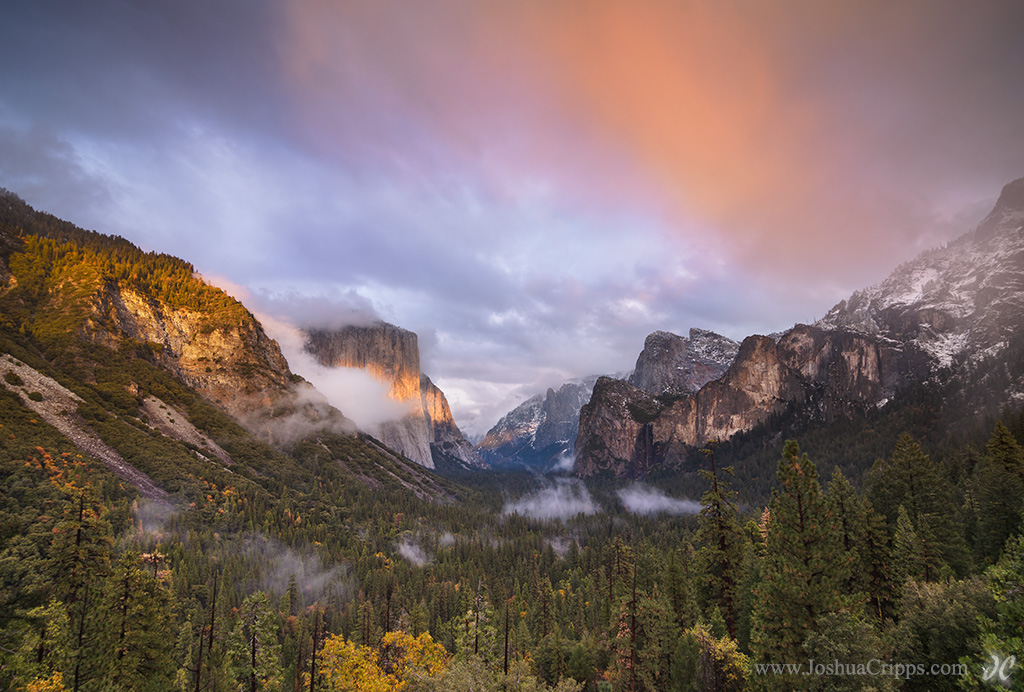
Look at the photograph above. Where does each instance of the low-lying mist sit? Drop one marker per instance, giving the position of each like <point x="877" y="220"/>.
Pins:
<point x="643" y="499"/>
<point x="564" y="498"/>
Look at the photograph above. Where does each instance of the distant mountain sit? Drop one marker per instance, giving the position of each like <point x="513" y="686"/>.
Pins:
<point x="953" y="319"/>
<point x="539" y="431"/>
<point x="391" y="354"/>
<point x="543" y="429"/>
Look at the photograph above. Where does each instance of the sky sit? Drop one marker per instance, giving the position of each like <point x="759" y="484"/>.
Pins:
<point x="532" y="186"/>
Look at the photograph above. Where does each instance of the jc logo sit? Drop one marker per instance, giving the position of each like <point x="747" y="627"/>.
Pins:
<point x="1000" y="669"/>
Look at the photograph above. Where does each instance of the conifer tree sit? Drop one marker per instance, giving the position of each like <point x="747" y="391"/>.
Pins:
<point x="1003" y="448"/>
<point x="721" y="543"/>
<point x="477" y="632"/>
<point x="80" y="557"/>
<point x="908" y="558"/>
<point x="678" y="581"/>
<point x="138" y="641"/>
<point x="1005" y="632"/>
<point x="998" y="493"/>
<point x="804" y="564"/>
<point x="998" y="497"/>
<point x="848" y="510"/>
<point x="909" y="478"/>
<point x="254" y="650"/>
<point x="875" y="564"/>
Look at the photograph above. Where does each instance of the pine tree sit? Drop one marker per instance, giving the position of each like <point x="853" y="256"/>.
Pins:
<point x="1005" y="632"/>
<point x="804" y="563"/>
<point x="876" y="558"/>
<point x="679" y="586"/>
<point x="909" y="478"/>
<point x="848" y="510"/>
<point x="998" y="497"/>
<point x="998" y="493"/>
<point x="721" y="543"/>
<point x="138" y="637"/>
<point x="1003" y="448"/>
<point x="254" y="650"/>
<point x="908" y="559"/>
<point x="477" y="632"/>
<point x="80" y="562"/>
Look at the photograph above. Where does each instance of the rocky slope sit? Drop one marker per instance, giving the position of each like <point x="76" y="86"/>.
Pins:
<point x="231" y="361"/>
<point x="391" y="354"/>
<point x="541" y="430"/>
<point x="952" y="317"/>
<point x="625" y="430"/>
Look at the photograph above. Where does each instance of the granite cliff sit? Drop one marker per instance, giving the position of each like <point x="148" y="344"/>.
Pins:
<point x="391" y="355"/>
<point x="625" y="430"/>
<point x="673" y="364"/>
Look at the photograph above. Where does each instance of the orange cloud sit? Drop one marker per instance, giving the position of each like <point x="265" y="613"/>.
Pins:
<point x="693" y="91"/>
<point x="714" y="115"/>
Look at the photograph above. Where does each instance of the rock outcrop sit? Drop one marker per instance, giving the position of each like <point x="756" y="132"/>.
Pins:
<point x="959" y="303"/>
<point x="231" y="361"/>
<point x="445" y="435"/>
<point x="616" y="432"/>
<point x="626" y="431"/>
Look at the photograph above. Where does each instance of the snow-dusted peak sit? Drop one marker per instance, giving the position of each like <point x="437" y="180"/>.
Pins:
<point x="957" y="300"/>
<point x="672" y="364"/>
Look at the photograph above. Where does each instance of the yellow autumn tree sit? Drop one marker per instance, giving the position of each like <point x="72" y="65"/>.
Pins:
<point x="402" y="660"/>
<point x="54" y="683"/>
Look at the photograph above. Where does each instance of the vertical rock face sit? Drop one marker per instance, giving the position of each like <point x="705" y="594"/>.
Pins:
<point x="615" y="432"/>
<point x="755" y="386"/>
<point x="675" y="365"/>
<point x="953" y="316"/>
<point x="391" y="354"/>
<point x="958" y="303"/>
<point x="233" y="363"/>
<point x="539" y="430"/>
<point x="444" y="433"/>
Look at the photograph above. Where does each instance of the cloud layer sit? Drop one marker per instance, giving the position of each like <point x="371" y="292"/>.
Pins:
<point x="530" y="186"/>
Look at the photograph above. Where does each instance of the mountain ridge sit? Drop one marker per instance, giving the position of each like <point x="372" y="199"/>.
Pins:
<point x="172" y="379"/>
<point x="948" y="315"/>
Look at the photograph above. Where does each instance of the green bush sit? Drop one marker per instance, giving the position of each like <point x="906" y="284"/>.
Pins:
<point x="12" y="378"/>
